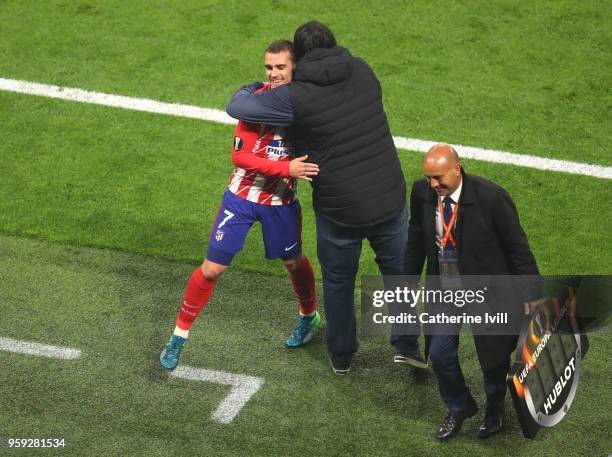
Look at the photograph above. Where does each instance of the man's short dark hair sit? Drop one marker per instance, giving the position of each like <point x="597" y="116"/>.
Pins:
<point x="281" y="45"/>
<point x="310" y="36"/>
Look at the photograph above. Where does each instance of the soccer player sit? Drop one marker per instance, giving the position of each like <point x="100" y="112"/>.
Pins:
<point x="262" y="188"/>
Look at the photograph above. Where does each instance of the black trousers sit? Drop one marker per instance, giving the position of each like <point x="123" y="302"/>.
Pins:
<point x="444" y="354"/>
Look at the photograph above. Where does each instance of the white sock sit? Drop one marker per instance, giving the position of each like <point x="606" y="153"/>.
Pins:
<point x="180" y="332"/>
<point x="310" y="314"/>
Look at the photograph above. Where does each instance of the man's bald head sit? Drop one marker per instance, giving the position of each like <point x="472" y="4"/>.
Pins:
<point x="442" y="169"/>
<point x="442" y="153"/>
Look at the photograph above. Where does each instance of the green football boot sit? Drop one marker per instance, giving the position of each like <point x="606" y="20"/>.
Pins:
<point x="169" y="357"/>
<point x="305" y="330"/>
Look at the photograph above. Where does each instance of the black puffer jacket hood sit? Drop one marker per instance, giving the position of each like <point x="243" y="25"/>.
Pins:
<point x="325" y="66"/>
<point x="339" y="121"/>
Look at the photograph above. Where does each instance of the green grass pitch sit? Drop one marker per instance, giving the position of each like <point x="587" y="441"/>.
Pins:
<point x="104" y="213"/>
<point x="117" y="307"/>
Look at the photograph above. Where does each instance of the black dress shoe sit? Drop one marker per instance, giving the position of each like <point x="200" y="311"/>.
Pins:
<point x="341" y="364"/>
<point x="492" y="423"/>
<point x="412" y="358"/>
<point x="453" y="421"/>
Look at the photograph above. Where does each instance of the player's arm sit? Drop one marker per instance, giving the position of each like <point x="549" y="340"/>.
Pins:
<point x="271" y="107"/>
<point x="296" y="168"/>
<point x="252" y="163"/>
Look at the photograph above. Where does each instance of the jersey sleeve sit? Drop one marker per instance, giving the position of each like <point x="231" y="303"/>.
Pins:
<point x="252" y="163"/>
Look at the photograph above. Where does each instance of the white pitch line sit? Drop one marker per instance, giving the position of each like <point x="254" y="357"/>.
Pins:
<point x="43" y="350"/>
<point x="510" y="158"/>
<point x="215" y="115"/>
<point x="243" y="388"/>
<point x="116" y="101"/>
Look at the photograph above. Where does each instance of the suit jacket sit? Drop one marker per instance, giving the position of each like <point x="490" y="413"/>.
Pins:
<point x="490" y="239"/>
<point x="490" y="242"/>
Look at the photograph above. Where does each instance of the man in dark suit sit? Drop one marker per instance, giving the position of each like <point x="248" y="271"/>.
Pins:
<point x="473" y="222"/>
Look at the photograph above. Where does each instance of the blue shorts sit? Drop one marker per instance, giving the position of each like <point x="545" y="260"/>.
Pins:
<point x="281" y="229"/>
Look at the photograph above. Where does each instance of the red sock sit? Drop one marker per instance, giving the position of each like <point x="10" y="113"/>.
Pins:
<point x="197" y="292"/>
<point x="303" y="282"/>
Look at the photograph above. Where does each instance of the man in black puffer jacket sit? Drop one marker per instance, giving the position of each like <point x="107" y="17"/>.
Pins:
<point x="334" y="104"/>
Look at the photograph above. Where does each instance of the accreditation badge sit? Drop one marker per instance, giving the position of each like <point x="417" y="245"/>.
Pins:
<point x="448" y="264"/>
<point x="447" y="258"/>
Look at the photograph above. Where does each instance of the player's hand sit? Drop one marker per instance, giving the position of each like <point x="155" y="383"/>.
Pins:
<point x="300" y="169"/>
<point x="532" y="305"/>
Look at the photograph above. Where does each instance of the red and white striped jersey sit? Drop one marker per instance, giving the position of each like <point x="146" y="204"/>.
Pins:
<point x="261" y="155"/>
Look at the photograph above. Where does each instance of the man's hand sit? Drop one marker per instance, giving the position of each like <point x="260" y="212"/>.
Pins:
<point x="254" y="86"/>
<point x="532" y="305"/>
<point x="300" y="169"/>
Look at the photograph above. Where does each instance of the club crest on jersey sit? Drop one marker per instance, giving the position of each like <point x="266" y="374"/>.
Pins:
<point x="238" y="143"/>
<point x="219" y="235"/>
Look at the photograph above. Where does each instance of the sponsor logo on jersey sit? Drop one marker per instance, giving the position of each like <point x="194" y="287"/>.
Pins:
<point x="278" y="148"/>
<point x="219" y="235"/>
<point x="238" y="143"/>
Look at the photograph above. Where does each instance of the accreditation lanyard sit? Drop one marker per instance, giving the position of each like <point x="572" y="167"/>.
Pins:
<point x="446" y="229"/>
